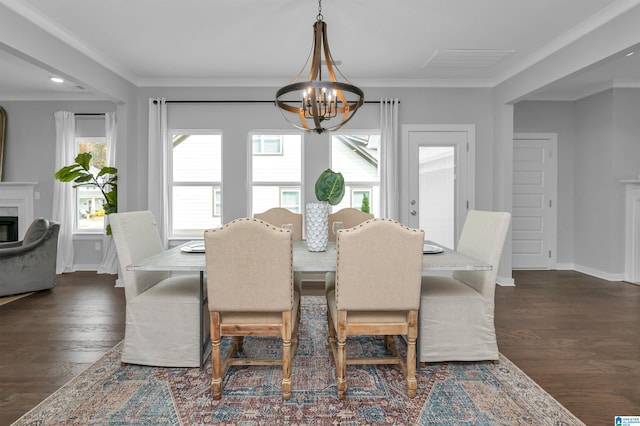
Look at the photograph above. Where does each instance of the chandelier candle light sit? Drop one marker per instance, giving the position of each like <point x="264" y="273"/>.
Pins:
<point x="326" y="105"/>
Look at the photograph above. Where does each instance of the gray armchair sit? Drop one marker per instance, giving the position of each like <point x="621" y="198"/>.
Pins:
<point x="30" y="264"/>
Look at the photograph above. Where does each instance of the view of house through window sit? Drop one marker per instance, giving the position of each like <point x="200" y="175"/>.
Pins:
<point x="89" y="199"/>
<point x="276" y="172"/>
<point x="195" y="182"/>
<point x="357" y="158"/>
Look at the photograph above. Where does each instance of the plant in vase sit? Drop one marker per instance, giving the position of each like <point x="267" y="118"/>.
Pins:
<point x="329" y="192"/>
<point x="106" y="181"/>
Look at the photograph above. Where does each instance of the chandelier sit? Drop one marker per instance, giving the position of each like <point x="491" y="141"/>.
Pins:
<point x="320" y="105"/>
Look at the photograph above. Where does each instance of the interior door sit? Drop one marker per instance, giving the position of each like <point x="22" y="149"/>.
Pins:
<point x="441" y="184"/>
<point x="534" y="200"/>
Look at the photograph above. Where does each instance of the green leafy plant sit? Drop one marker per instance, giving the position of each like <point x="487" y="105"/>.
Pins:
<point x="365" y="204"/>
<point x="106" y="180"/>
<point x="330" y="187"/>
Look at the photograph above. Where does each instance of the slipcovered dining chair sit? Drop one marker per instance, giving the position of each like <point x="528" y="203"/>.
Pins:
<point x="377" y="292"/>
<point x="349" y="217"/>
<point x="162" y="326"/>
<point x="279" y="216"/>
<point x="251" y="293"/>
<point x="457" y="312"/>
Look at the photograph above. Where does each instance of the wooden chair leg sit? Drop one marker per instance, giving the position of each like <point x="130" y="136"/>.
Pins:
<point x="216" y="374"/>
<point x="286" y="355"/>
<point x="412" y="334"/>
<point x="341" y="359"/>
<point x="388" y="343"/>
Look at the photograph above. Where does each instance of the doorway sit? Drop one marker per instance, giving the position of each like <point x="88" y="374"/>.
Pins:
<point x="534" y="215"/>
<point x="441" y="179"/>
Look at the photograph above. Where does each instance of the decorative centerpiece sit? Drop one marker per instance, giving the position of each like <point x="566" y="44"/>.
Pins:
<point x="329" y="192"/>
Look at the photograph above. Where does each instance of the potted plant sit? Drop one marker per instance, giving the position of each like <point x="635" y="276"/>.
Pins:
<point x="329" y="192"/>
<point x="106" y="180"/>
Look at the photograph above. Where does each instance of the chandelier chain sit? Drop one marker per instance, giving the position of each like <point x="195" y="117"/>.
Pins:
<point x="319" y="17"/>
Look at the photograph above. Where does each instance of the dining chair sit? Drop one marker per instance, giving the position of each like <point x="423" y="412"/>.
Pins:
<point x="456" y="321"/>
<point x="279" y="216"/>
<point x="377" y="292"/>
<point x="162" y="325"/>
<point x="349" y="217"/>
<point x="250" y="287"/>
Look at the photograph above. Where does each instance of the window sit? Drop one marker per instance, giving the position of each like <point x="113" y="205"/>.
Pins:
<point x="267" y="144"/>
<point x="89" y="199"/>
<point x="195" y="182"/>
<point x="276" y="180"/>
<point x="357" y="157"/>
<point x="290" y="199"/>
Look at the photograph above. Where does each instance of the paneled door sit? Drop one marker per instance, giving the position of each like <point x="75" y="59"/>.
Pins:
<point x="441" y="179"/>
<point x="534" y="200"/>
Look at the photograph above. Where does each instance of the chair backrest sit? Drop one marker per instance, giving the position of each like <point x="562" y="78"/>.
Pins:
<point x="349" y="216"/>
<point x="36" y="231"/>
<point x="278" y="216"/>
<point x="482" y="237"/>
<point x="379" y="266"/>
<point x="136" y="237"/>
<point x="249" y="267"/>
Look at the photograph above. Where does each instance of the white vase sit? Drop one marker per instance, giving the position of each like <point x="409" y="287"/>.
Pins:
<point x="317" y="226"/>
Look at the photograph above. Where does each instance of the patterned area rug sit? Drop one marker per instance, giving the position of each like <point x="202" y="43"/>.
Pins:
<point x="469" y="393"/>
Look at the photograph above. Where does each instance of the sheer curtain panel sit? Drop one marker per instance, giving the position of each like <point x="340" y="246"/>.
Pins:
<point x="63" y="202"/>
<point x="389" y="186"/>
<point x="158" y="197"/>
<point x="109" y="256"/>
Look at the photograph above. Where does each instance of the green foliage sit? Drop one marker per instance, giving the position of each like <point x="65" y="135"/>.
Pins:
<point x="330" y="187"/>
<point x="106" y="180"/>
<point x="365" y="204"/>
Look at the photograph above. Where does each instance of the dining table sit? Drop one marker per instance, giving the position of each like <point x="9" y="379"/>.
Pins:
<point x="189" y="257"/>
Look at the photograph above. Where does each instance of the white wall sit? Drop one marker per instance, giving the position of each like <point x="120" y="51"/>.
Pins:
<point x="29" y="156"/>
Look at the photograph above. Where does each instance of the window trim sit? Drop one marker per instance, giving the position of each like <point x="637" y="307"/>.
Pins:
<point x="171" y="184"/>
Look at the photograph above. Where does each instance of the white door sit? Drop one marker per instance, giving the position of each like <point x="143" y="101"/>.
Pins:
<point x="534" y="200"/>
<point x="441" y="179"/>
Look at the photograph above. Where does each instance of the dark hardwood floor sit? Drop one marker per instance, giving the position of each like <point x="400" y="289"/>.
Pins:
<point x="50" y="337"/>
<point x="577" y="336"/>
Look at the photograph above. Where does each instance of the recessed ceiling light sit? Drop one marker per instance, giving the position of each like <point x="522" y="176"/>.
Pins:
<point x="629" y="54"/>
<point x="56" y="79"/>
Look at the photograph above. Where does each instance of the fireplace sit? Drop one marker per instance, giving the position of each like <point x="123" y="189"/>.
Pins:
<point x="8" y="228"/>
<point x="16" y="200"/>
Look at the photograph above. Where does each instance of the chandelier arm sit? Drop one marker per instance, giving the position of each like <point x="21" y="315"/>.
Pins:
<point x="327" y="53"/>
<point x="314" y="72"/>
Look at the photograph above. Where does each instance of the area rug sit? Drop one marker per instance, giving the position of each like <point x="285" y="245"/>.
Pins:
<point x="469" y="393"/>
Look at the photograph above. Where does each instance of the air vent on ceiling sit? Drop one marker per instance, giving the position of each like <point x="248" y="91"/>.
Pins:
<point x="466" y="58"/>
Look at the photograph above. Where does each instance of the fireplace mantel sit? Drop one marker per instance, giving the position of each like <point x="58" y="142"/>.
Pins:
<point x="17" y="198"/>
<point x="632" y="231"/>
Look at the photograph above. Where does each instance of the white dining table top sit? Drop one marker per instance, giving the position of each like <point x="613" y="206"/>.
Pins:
<point x="175" y="259"/>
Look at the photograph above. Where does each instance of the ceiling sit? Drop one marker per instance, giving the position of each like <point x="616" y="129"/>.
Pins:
<point x="400" y="43"/>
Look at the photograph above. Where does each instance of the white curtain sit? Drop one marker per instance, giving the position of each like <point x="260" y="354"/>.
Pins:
<point x="63" y="200"/>
<point x="109" y="256"/>
<point x="158" y="197"/>
<point x="389" y="182"/>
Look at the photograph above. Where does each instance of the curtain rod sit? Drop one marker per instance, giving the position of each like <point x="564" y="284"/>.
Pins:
<point x="88" y="113"/>
<point x="238" y="102"/>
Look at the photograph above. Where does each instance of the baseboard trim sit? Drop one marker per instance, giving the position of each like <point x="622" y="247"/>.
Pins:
<point x="505" y="281"/>
<point x="589" y="271"/>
